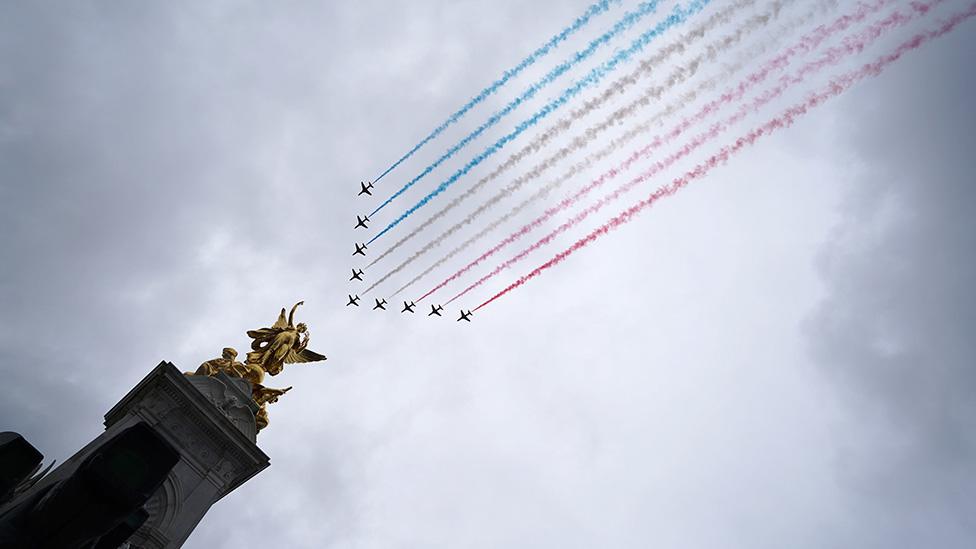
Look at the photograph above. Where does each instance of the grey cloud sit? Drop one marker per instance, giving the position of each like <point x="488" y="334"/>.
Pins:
<point x="171" y="174"/>
<point x="895" y="333"/>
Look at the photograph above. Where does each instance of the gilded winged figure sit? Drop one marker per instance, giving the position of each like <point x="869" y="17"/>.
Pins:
<point x="282" y="343"/>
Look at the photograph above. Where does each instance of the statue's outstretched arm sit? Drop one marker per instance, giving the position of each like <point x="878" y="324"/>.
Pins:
<point x="291" y="315"/>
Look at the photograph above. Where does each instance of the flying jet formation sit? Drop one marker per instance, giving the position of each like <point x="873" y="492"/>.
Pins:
<point x="353" y="301"/>
<point x="361" y="222"/>
<point x="380" y="305"/>
<point x="357" y="274"/>
<point x="408" y="307"/>
<point x="360" y="250"/>
<point x="435" y="310"/>
<point x="465" y="316"/>
<point x="365" y="188"/>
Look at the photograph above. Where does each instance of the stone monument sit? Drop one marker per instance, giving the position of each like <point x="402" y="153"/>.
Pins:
<point x="211" y="417"/>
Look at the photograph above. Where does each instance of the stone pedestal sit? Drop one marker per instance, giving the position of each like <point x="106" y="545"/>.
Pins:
<point x="210" y="421"/>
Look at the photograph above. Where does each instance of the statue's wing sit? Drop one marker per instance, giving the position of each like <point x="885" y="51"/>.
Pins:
<point x="282" y="322"/>
<point x="262" y="336"/>
<point x="261" y="333"/>
<point x="304" y="355"/>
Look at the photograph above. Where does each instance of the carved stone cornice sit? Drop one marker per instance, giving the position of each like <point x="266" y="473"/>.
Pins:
<point x="208" y="424"/>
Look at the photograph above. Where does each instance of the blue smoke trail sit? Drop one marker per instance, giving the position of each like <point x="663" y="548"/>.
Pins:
<point x="680" y="15"/>
<point x="625" y="23"/>
<point x="580" y="22"/>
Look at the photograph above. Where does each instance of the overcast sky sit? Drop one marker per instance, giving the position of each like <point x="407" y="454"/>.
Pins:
<point x="780" y="355"/>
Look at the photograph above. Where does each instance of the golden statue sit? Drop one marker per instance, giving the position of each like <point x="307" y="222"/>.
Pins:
<point x="282" y="343"/>
<point x="272" y="348"/>
<point x="226" y="363"/>
<point x="264" y="396"/>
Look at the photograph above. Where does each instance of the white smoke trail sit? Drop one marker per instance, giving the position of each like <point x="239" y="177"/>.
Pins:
<point x="785" y="119"/>
<point x="643" y="69"/>
<point x="680" y="75"/>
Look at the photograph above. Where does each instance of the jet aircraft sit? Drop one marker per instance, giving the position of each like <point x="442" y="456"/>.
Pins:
<point x="435" y="310"/>
<point x="465" y="316"/>
<point x="353" y="301"/>
<point x="357" y="274"/>
<point x="360" y="250"/>
<point x="366" y="188"/>
<point x="408" y="308"/>
<point x="380" y="305"/>
<point x="361" y="222"/>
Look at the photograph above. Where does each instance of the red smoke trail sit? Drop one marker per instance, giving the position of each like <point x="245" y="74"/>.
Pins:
<point x="755" y="51"/>
<point x="853" y="44"/>
<point x="786" y="119"/>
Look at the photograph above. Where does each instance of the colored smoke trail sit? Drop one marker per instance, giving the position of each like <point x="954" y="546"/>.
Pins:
<point x="729" y="71"/>
<point x="851" y="45"/>
<point x="612" y="91"/>
<point x="677" y="17"/>
<point x="580" y="22"/>
<point x="730" y="96"/>
<point x="624" y="24"/>
<point x="786" y="119"/>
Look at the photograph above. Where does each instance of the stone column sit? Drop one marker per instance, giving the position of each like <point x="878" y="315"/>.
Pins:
<point x="210" y="421"/>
